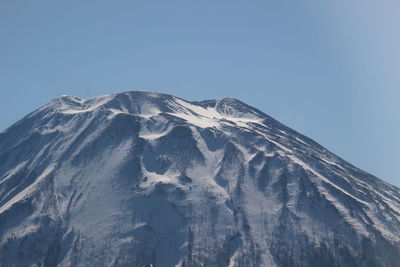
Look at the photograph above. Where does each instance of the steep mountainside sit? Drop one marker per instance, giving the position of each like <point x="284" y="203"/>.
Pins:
<point x="140" y="178"/>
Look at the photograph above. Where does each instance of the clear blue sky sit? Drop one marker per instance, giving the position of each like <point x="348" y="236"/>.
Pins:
<point x="328" y="69"/>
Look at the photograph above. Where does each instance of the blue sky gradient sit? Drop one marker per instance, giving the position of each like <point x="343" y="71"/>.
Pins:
<point x="328" y="69"/>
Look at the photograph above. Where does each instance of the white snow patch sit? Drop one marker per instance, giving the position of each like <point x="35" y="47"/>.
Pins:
<point x="154" y="178"/>
<point x="94" y="104"/>
<point x="330" y="162"/>
<point x="153" y="129"/>
<point x="148" y="110"/>
<point x="207" y="117"/>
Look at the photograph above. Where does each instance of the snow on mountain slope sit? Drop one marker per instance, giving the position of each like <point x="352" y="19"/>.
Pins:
<point x="140" y="178"/>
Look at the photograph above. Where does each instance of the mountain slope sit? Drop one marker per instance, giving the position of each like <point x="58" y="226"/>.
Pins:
<point x="140" y="178"/>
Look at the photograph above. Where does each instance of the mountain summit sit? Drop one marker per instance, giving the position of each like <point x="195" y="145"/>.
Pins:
<point x="146" y="179"/>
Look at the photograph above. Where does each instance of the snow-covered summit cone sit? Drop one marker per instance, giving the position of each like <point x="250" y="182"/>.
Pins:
<point x="140" y="178"/>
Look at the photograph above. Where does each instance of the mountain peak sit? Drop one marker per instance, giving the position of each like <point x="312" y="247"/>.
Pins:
<point x="205" y="113"/>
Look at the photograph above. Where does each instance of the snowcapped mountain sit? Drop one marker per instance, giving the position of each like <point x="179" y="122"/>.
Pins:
<point x="145" y="179"/>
